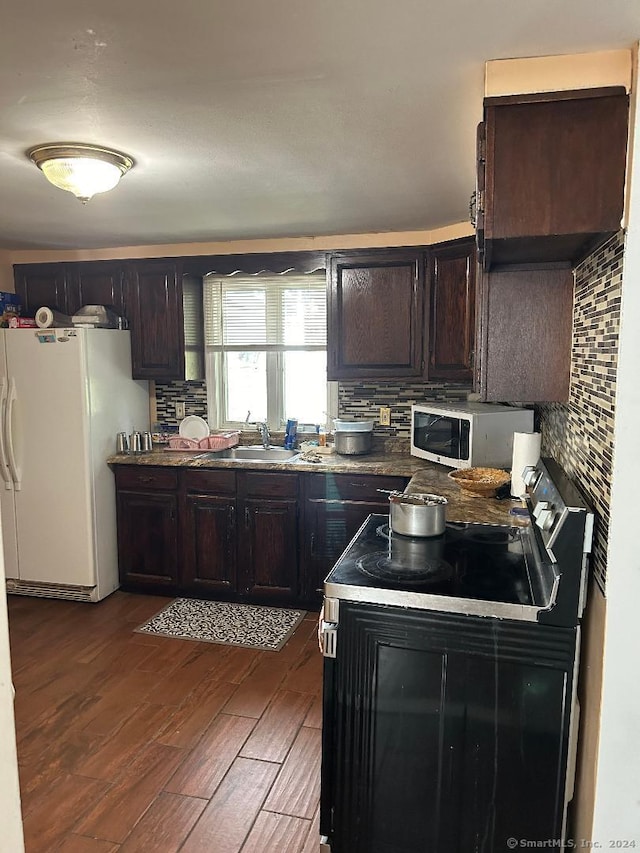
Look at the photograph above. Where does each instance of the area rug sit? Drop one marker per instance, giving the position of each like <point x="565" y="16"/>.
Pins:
<point x="246" y="625"/>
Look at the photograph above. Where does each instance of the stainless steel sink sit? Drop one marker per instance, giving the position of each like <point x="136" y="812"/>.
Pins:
<point x="256" y="453"/>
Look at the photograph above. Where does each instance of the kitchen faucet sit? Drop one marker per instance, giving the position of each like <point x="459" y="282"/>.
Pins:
<point x="263" y="429"/>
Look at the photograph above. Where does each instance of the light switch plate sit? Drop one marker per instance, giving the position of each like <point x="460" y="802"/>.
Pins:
<point x="385" y="416"/>
<point x="180" y="410"/>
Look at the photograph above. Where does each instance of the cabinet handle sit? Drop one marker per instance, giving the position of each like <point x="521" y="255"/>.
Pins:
<point x="231" y="528"/>
<point x="312" y="545"/>
<point x="247" y="517"/>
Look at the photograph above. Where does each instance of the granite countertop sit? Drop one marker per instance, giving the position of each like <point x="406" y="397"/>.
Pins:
<point x="424" y="476"/>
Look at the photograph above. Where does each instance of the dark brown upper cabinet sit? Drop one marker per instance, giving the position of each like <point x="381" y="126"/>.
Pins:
<point x="375" y="315"/>
<point x="96" y="283"/>
<point x="524" y="334"/>
<point x="40" y="285"/>
<point x="551" y="174"/>
<point x="156" y="316"/>
<point x="452" y="275"/>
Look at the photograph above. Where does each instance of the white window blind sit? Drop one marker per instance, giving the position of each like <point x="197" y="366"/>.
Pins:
<point x="270" y="313"/>
<point x="266" y="348"/>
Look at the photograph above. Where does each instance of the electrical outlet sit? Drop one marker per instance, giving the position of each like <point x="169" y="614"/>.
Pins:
<point x="180" y="410"/>
<point x="385" y="416"/>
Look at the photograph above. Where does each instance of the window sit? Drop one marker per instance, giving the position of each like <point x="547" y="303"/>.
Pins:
<point x="266" y="349"/>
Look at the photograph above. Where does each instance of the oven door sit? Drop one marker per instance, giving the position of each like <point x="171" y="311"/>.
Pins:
<point x="442" y="438"/>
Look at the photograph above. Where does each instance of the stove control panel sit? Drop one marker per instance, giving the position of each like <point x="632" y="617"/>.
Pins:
<point x="554" y="504"/>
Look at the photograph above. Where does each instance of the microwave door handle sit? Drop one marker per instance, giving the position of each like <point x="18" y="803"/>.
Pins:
<point x="15" y="471"/>
<point x="4" y="465"/>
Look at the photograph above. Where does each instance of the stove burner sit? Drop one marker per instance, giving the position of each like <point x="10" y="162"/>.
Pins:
<point x="381" y="566"/>
<point x="384" y="530"/>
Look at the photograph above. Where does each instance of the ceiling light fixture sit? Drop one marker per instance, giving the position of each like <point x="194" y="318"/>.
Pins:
<point x="83" y="170"/>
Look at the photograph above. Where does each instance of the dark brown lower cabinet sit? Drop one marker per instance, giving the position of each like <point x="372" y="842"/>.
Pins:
<point x="239" y="535"/>
<point x="268" y="536"/>
<point x="268" y="550"/>
<point x="147" y="512"/>
<point x="208" y="531"/>
<point x="335" y="507"/>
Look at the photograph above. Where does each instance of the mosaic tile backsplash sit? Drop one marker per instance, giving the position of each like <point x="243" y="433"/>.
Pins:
<point x="354" y="400"/>
<point x="193" y="394"/>
<point x="363" y="400"/>
<point x="579" y="434"/>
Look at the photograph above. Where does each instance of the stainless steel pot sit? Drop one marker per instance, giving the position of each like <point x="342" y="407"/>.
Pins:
<point x="417" y="515"/>
<point x="352" y="443"/>
<point x="416" y="552"/>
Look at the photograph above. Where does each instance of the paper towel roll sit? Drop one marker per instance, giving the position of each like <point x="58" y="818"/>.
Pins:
<point x="46" y="318"/>
<point x="526" y="451"/>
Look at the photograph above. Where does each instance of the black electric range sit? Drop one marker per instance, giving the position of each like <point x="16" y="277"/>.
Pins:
<point x="450" y="678"/>
<point x="535" y="571"/>
<point x="485" y="569"/>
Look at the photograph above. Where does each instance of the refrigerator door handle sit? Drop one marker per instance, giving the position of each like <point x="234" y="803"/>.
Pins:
<point x="4" y="465"/>
<point x="15" y="472"/>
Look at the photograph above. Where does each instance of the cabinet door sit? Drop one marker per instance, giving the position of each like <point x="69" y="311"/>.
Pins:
<point x="453" y="294"/>
<point x="268" y="549"/>
<point x="147" y="539"/>
<point x="335" y="507"/>
<point x="376" y="315"/>
<point x="329" y="527"/>
<point x="555" y="174"/>
<point x="525" y="339"/>
<point x="209" y="541"/>
<point x="156" y="317"/>
<point x="41" y="284"/>
<point x="99" y="283"/>
<point x="444" y="733"/>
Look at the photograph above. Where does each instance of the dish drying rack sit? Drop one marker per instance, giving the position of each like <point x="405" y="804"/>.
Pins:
<point x="216" y="441"/>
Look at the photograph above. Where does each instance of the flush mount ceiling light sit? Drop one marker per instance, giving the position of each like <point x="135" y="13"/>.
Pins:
<point x="83" y="170"/>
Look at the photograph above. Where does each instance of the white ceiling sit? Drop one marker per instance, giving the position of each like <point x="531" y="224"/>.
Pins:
<point x="263" y="118"/>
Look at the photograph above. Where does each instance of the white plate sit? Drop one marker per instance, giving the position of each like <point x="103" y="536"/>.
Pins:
<point x="193" y="427"/>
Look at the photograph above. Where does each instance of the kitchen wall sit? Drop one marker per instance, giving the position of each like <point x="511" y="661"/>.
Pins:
<point x="363" y="400"/>
<point x="580" y="436"/>
<point x="6" y="272"/>
<point x="380" y="239"/>
<point x="355" y="399"/>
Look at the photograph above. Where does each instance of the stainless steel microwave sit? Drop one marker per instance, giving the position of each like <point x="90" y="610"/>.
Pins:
<point x="466" y="435"/>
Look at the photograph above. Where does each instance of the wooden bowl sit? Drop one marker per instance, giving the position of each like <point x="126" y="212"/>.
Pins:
<point x="480" y="482"/>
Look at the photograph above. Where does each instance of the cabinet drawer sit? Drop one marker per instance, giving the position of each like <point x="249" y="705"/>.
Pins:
<point x="351" y="486"/>
<point x="219" y="481"/>
<point x="268" y="485"/>
<point x="134" y="477"/>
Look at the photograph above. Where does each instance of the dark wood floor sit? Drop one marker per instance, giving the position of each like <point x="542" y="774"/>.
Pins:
<point x="128" y="742"/>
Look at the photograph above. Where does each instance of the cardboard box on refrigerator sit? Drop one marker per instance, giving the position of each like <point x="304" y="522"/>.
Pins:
<point x="10" y="306"/>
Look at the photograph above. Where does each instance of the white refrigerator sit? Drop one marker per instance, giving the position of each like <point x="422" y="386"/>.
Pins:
<point x="64" y="394"/>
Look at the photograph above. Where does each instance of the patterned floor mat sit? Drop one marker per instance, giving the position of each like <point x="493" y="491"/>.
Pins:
<point x="245" y="625"/>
